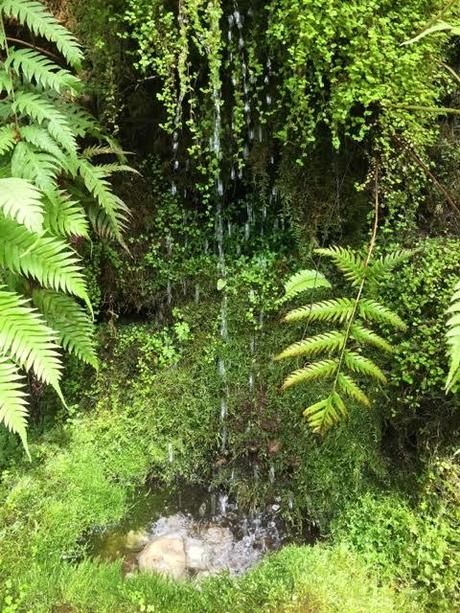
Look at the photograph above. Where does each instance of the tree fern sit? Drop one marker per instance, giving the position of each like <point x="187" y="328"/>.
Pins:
<point x="39" y="70"/>
<point x="13" y="400"/>
<point x="8" y="138"/>
<point x="21" y="201"/>
<point x="26" y="338"/>
<point x="343" y="347"/>
<point x="72" y="324"/>
<point x="453" y="339"/>
<point x="47" y="259"/>
<point x="42" y="170"/>
<point x="42" y="23"/>
<point x="64" y="216"/>
<point x="38" y="108"/>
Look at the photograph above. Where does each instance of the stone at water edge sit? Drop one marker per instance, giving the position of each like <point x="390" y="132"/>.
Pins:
<point x="165" y="555"/>
<point x="218" y="535"/>
<point x="197" y="555"/>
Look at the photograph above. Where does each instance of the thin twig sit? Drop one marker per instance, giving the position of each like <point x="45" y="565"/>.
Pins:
<point x="450" y="199"/>
<point x="32" y="46"/>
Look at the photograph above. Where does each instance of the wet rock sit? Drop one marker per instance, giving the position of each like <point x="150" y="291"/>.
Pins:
<point x="218" y="535"/>
<point x="165" y="555"/>
<point x="197" y="555"/>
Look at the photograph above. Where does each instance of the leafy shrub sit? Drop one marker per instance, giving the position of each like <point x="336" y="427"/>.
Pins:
<point x="422" y="289"/>
<point x="416" y="543"/>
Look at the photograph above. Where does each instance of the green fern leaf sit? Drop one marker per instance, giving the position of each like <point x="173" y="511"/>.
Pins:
<point x="81" y="123"/>
<point x="28" y="340"/>
<point x="38" y="108"/>
<point x="21" y="201"/>
<point x="453" y="339"/>
<point x="328" y="342"/>
<point x="13" y="402"/>
<point x="369" y="337"/>
<point x="41" y="139"/>
<point x="339" y="309"/>
<point x="63" y="216"/>
<point x="348" y="386"/>
<point x="47" y="259"/>
<point x="42" y="23"/>
<point x="326" y="413"/>
<point x="115" y="209"/>
<point x="363" y="366"/>
<point x="387" y="263"/>
<point x="37" y="68"/>
<point x="313" y="372"/>
<point x="347" y="261"/>
<point x="303" y="281"/>
<point x="41" y="169"/>
<point x="8" y="138"/>
<point x="72" y="324"/>
<point x="374" y="311"/>
<point x="6" y="82"/>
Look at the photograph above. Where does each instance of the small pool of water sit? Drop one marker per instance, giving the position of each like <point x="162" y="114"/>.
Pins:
<point x="213" y="534"/>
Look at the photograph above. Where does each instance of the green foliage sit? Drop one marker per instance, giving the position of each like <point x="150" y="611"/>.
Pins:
<point x="453" y="338"/>
<point x="422" y="288"/>
<point x="40" y="162"/>
<point x="345" y="344"/>
<point x="417" y="543"/>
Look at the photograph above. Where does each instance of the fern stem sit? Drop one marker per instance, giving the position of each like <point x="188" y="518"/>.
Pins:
<point x="6" y="47"/>
<point x="370" y="252"/>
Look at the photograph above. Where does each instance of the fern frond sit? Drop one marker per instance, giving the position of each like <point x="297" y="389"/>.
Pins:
<point x="25" y="336"/>
<point x="326" y="413"/>
<point x="453" y="339"/>
<point x="36" y="68"/>
<point x="13" y="401"/>
<point x="38" y="108"/>
<point x="80" y="121"/>
<point x="42" y="23"/>
<point x="63" y="216"/>
<point x="303" y="281"/>
<point x="8" y="138"/>
<point x="328" y="342"/>
<point x="383" y="264"/>
<point x="363" y="366"/>
<point x="21" y="201"/>
<point x="110" y="149"/>
<point x="348" y="386"/>
<point x="369" y="337"/>
<point x="6" y="82"/>
<point x="108" y="170"/>
<point x="374" y="311"/>
<point x="96" y="184"/>
<point x="313" y="372"/>
<point x="339" y="309"/>
<point x="350" y="263"/>
<point x="41" y="169"/>
<point x="47" y="259"/>
<point x="72" y="324"/>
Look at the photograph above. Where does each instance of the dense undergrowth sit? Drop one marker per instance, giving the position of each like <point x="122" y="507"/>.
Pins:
<point x="373" y="506"/>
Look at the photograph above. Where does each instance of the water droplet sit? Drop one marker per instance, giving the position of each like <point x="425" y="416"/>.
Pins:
<point x="232" y="174"/>
<point x="269" y="99"/>
<point x="176" y="164"/>
<point x="173" y="189"/>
